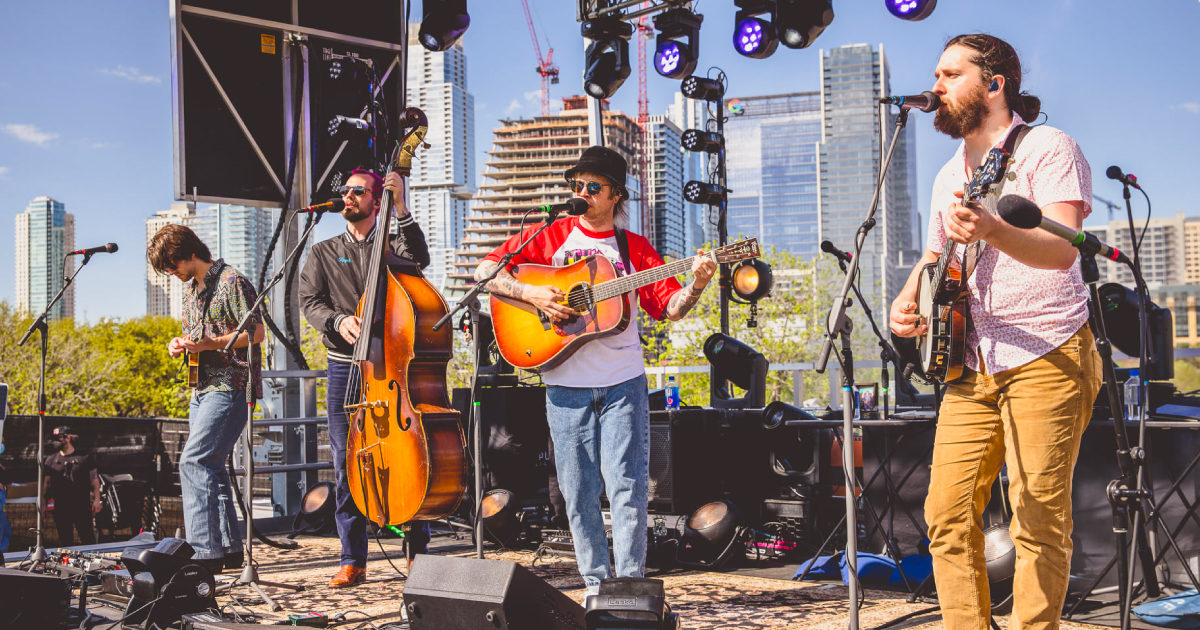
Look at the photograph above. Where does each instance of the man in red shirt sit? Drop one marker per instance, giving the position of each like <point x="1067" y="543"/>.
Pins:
<point x="596" y="399"/>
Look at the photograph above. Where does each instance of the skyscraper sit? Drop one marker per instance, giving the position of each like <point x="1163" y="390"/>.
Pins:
<point x="771" y="167"/>
<point x="45" y="232"/>
<point x="525" y="171"/>
<point x="664" y="188"/>
<point x="164" y="292"/>
<point x="443" y="176"/>
<point x="855" y="133"/>
<point x="690" y="114"/>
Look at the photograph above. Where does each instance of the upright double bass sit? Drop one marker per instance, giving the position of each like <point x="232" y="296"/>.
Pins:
<point x="405" y="452"/>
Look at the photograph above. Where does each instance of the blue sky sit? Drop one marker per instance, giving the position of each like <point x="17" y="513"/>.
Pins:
<point x="85" y="115"/>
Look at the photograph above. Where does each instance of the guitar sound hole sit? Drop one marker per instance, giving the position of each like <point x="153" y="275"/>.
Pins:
<point x="580" y="298"/>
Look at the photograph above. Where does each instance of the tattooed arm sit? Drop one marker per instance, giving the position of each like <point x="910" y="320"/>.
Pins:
<point x="685" y="298"/>
<point x="546" y="298"/>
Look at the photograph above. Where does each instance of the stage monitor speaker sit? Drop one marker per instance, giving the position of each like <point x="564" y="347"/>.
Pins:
<point x="32" y="600"/>
<point x="471" y="594"/>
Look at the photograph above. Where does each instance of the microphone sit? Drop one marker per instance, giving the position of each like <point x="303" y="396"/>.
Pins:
<point x="1023" y="213"/>
<point x="843" y="257"/>
<point x="333" y="205"/>
<point x="1129" y="179"/>
<point x="107" y="248"/>
<point x="574" y="206"/>
<point x="925" y="101"/>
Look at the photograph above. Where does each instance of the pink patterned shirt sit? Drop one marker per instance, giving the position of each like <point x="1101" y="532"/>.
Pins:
<point x="1020" y="313"/>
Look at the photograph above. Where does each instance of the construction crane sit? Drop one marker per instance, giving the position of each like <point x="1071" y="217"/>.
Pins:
<point x="545" y="66"/>
<point x="1111" y="206"/>
<point x="644" y="31"/>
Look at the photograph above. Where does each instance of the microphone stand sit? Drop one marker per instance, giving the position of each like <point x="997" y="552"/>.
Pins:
<point x="471" y="301"/>
<point x="837" y="324"/>
<point x="249" y="570"/>
<point x="38" y="555"/>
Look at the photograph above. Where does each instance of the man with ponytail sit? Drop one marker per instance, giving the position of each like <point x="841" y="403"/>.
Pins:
<point x="1032" y="371"/>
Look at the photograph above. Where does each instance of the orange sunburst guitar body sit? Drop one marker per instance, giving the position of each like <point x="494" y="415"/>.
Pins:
<point x="528" y="340"/>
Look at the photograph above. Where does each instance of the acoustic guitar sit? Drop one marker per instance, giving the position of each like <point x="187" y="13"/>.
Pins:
<point x="942" y="300"/>
<point x="526" y="337"/>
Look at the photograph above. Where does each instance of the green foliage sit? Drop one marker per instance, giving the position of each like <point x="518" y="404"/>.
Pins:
<point x="791" y="324"/>
<point x="112" y="368"/>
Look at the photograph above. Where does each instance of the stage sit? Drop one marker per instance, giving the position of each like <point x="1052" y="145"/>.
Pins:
<point x="744" y="596"/>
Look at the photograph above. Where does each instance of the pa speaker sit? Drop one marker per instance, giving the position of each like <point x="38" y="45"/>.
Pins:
<point x="31" y="600"/>
<point x="471" y="594"/>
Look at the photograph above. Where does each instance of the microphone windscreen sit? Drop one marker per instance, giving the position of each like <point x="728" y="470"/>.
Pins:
<point x="827" y="246"/>
<point x="1019" y="211"/>
<point x="110" y="247"/>
<point x="339" y="204"/>
<point x="579" y="206"/>
<point x="1114" y="172"/>
<point x="935" y="101"/>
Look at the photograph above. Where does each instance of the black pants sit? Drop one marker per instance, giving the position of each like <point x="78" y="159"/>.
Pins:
<point x="74" y="515"/>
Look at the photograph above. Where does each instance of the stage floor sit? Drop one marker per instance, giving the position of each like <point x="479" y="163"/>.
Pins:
<point x="746" y="597"/>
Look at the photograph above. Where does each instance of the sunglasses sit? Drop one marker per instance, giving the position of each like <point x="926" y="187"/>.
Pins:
<point x="357" y="190"/>
<point x="593" y="188"/>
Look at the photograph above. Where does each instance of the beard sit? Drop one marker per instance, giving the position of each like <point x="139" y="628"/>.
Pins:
<point x="354" y="213"/>
<point x="964" y="119"/>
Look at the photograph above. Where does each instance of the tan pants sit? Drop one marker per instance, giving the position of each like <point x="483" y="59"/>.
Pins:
<point x="1032" y="418"/>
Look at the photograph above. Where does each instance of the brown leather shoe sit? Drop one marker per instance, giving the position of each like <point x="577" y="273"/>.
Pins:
<point x="348" y="575"/>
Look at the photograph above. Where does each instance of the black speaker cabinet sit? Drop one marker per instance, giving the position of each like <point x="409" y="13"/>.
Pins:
<point x="471" y="594"/>
<point x="31" y="600"/>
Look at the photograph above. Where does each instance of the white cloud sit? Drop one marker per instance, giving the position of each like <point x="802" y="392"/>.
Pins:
<point x="513" y="107"/>
<point x="30" y="134"/>
<point x="3" y="171"/>
<point x="1191" y="106"/>
<point x="130" y="74"/>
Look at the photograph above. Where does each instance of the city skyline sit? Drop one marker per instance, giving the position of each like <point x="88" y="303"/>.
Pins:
<point x="102" y="142"/>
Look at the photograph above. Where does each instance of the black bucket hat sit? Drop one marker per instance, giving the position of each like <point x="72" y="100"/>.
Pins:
<point x="601" y="161"/>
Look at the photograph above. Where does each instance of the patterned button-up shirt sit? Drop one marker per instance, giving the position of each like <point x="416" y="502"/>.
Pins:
<point x="228" y="296"/>
<point x="1020" y="313"/>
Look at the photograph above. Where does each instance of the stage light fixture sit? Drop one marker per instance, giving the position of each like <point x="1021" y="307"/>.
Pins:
<point x="911" y="10"/>
<point x="443" y="23"/>
<point x="710" y="534"/>
<point x="703" y="193"/>
<point x="348" y="128"/>
<point x="498" y="509"/>
<point x="706" y="141"/>
<point x="1119" y="305"/>
<point x="799" y="22"/>
<point x="673" y="57"/>
<point x="754" y="36"/>
<point x="752" y="279"/>
<point x="702" y="89"/>
<point x="732" y="361"/>
<point x="606" y="60"/>
<point x="349" y="68"/>
<point x="316" y="510"/>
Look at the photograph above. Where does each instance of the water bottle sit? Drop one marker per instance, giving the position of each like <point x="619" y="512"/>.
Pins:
<point x="1131" y="396"/>
<point x="672" y="393"/>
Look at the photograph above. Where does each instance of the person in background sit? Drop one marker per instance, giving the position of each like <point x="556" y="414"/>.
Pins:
<point x="72" y="481"/>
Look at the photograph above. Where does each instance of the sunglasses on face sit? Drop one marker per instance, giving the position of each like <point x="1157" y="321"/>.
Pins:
<point x="593" y="188"/>
<point x="357" y="190"/>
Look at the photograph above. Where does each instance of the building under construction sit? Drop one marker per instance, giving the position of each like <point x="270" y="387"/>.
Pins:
<point x="525" y="169"/>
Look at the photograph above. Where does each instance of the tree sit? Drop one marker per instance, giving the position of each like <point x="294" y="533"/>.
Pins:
<point x="791" y="325"/>
<point x="111" y="368"/>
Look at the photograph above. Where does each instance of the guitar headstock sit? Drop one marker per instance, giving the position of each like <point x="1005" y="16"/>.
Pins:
<point x="740" y="250"/>
<point x="988" y="173"/>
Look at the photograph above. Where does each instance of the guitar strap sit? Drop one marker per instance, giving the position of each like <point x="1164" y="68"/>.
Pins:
<point x="623" y="247"/>
<point x="975" y="252"/>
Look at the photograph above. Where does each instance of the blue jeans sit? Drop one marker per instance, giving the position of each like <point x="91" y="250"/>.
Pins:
<point x="5" y="528"/>
<point x="351" y="524"/>
<point x="603" y="433"/>
<point x="216" y="420"/>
